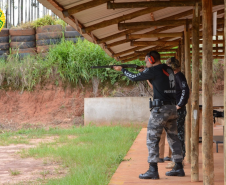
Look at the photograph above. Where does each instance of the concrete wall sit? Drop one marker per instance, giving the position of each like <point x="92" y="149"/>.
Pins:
<point x="117" y="110"/>
<point x="123" y="110"/>
<point x="218" y="100"/>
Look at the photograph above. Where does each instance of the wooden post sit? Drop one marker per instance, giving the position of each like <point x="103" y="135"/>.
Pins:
<point x="207" y="107"/>
<point x="224" y="95"/>
<point x="182" y="55"/>
<point x="188" y="106"/>
<point x="179" y="52"/>
<point x="195" y="96"/>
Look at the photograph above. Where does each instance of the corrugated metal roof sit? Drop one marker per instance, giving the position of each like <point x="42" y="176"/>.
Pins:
<point x="100" y="13"/>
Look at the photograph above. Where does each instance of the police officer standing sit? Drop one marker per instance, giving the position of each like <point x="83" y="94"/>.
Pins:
<point x="182" y="96"/>
<point x="163" y="114"/>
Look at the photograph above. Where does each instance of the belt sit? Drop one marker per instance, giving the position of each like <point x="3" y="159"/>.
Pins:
<point x="168" y="102"/>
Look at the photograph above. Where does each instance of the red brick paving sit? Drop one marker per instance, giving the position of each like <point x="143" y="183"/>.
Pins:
<point x="128" y="171"/>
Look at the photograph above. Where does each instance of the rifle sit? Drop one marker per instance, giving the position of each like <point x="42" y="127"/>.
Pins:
<point x="122" y="65"/>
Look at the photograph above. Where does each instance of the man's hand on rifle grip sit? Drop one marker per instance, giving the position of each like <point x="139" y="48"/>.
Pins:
<point x="141" y="68"/>
<point x="117" y="68"/>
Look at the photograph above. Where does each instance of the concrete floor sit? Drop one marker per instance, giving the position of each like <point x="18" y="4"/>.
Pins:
<point x="128" y="171"/>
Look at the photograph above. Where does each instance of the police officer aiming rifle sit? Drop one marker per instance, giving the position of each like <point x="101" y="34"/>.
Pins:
<point x="163" y="113"/>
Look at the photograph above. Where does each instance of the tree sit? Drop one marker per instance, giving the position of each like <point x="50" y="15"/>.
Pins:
<point x="25" y="8"/>
<point x="37" y="9"/>
<point x="29" y="10"/>
<point x="22" y="12"/>
<point x="19" y="13"/>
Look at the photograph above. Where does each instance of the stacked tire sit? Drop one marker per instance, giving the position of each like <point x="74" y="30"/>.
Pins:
<point x="4" y="43"/>
<point x="48" y="36"/>
<point x="23" y="42"/>
<point x="72" y="35"/>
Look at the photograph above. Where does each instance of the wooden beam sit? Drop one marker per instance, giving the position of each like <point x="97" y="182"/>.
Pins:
<point x="188" y="106"/>
<point x="164" y="4"/>
<point x="149" y="43"/>
<point x="117" y="43"/>
<point x="119" y="19"/>
<point x="174" y="17"/>
<point x="207" y="107"/>
<point x="82" y="7"/>
<point x="224" y="131"/>
<point x="195" y="96"/>
<point x="148" y="24"/>
<point x="141" y="47"/>
<point x="159" y="50"/>
<point x="149" y="4"/>
<point x="133" y="58"/>
<point x="153" y="35"/>
<point x="182" y="55"/>
<point x="115" y="36"/>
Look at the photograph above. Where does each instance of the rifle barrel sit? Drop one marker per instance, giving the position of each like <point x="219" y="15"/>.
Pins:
<point x="111" y="66"/>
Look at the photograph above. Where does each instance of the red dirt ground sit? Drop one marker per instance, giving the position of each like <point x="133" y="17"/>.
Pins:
<point x="50" y="106"/>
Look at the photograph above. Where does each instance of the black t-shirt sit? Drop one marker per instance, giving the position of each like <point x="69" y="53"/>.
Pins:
<point x="161" y="77"/>
<point x="182" y="89"/>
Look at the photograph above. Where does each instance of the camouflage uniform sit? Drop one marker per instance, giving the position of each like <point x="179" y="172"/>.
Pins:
<point x="166" y="118"/>
<point x="180" y="127"/>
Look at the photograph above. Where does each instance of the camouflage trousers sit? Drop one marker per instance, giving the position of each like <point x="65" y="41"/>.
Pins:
<point x="165" y="118"/>
<point x="180" y="127"/>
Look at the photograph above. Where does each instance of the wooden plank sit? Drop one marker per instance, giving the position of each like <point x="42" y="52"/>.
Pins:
<point x="188" y="106"/>
<point x="195" y="96"/>
<point x="144" y="4"/>
<point x="82" y="7"/>
<point x="119" y="19"/>
<point x="149" y="43"/>
<point x="153" y="35"/>
<point x="164" y="4"/>
<point x="148" y="24"/>
<point x="224" y="131"/>
<point x="207" y="107"/>
<point x="182" y="55"/>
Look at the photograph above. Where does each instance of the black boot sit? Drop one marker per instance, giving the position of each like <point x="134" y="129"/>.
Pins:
<point x="177" y="170"/>
<point x="152" y="172"/>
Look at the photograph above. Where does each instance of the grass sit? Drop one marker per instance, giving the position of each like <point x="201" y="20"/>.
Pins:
<point x="14" y="172"/>
<point x="91" y="157"/>
<point x="67" y="62"/>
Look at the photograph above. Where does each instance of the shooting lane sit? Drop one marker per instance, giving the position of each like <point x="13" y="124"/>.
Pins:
<point x="128" y="30"/>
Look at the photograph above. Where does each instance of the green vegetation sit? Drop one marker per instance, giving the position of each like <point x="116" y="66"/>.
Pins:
<point x="14" y="172"/>
<point x="44" y="21"/>
<point x="91" y="156"/>
<point x="67" y="62"/>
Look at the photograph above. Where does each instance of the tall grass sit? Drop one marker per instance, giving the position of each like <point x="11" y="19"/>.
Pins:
<point x="92" y="157"/>
<point x="66" y="61"/>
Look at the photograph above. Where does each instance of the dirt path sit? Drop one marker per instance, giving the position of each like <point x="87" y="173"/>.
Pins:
<point x="14" y="169"/>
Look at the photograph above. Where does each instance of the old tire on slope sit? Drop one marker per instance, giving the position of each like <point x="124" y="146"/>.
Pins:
<point x="50" y="35"/>
<point x="21" y="32"/>
<point x="4" y="32"/>
<point x="47" y="42"/>
<point x="4" y="39"/>
<point x="4" y="46"/>
<point x="28" y="50"/>
<point x="71" y="34"/>
<point x="26" y="38"/>
<point x="22" y="45"/>
<point x="4" y="52"/>
<point x="49" y="28"/>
